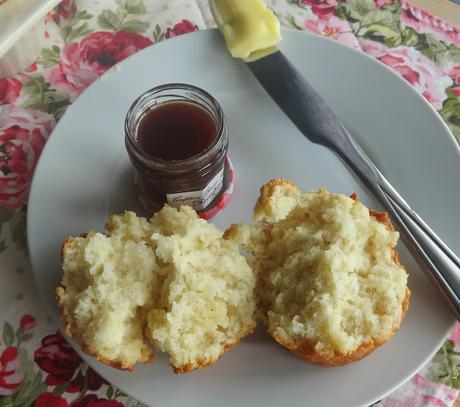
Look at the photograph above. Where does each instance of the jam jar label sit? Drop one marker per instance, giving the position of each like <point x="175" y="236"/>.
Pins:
<point x="198" y="200"/>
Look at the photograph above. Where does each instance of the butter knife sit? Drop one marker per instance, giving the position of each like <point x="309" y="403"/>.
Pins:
<point x="316" y="120"/>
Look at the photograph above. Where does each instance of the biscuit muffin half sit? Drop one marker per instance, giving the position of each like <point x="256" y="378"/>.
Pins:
<point x="172" y="283"/>
<point x="107" y="286"/>
<point x="330" y="286"/>
<point x="206" y="301"/>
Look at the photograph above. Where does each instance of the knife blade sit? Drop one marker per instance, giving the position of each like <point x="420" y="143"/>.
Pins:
<point x="316" y="120"/>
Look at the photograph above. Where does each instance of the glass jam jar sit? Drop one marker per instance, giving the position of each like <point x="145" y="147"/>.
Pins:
<point x="177" y="139"/>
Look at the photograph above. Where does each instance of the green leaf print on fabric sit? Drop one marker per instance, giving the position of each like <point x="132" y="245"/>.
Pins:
<point x="49" y="57"/>
<point x="109" y="20"/>
<point x="69" y="20"/>
<point x="137" y="26"/>
<point x="378" y="32"/>
<point x="27" y="366"/>
<point x="112" y="393"/>
<point x="450" y="112"/>
<point x="41" y="96"/>
<point x="449" y="57"/>
<point x="292" y="23"/>
<point x="109" y="392"/>
<point x="135" y="7"/>
<point x="157" y="34"/>
<point x="5" y="216"/>
<point x="31" y="388"/>
<point x="445" y="366"/>
<point x="443" y="54"/>
<point x="79" y="31"/>
<point x="380" y="17"/>
<point x="84" y="15"/>
<point x="409" y="37"/>
<point x="27" y="383"/>
<point x="377" y="24"/>
<point x="430" y="46"/>
<point x="8" y="334"/>
<point x="61" y="389"/>
<point x="125" y="17"/>
<point x="354" y="10"/>
<point x="342" y="12"/>
<point x="359" y="8"/>
<point x="17" y="226"/>
<point x="26" y="337"/>
<point x="383" y="24"/>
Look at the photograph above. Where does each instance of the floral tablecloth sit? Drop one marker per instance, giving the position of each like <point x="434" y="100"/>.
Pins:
<point x="81" y="40"/>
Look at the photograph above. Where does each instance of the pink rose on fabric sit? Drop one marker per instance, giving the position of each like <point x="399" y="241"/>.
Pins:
<point x="184" y="27"/>
<point x="83" y="62"/>
<point x="9" y="90"/>
<point x="455" y="334"/>
<point x="397" y="62"/>
<point x="424" y="22"/>
<point x="23" y="134"/>
<point x="334" y="28"/>
<point x="31" y="68"/>
<point x="27" y="323"/>
<point x="454" y="73"/>
<point x="48" y="399"/>
<point x="380" y="3"/>
<point x="93" y="381"/>
<point x="321" y="8"/>
<point x="419" y="392"/>
<point x="104" y="49"/>
<point x="57" y="358"/>
<point x="73" y="74"/>
<point x="427" y="78"/>
<point x="10" y="377"/>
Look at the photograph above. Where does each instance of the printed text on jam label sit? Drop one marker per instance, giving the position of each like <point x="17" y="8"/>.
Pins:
<point x="198" y="200"/>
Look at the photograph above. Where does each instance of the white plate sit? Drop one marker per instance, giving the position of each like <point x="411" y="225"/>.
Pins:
<point x="84" y="175"/>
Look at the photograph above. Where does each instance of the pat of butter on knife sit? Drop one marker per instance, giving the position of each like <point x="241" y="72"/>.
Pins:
<point x="250" y="29"/>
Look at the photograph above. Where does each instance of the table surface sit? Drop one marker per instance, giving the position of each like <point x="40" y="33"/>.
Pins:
<point x="84" y="38"/>
<point x="442" y="8"/>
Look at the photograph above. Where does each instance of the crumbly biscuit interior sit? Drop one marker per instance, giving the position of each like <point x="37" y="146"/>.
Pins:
<point x="207" y="301"/>
<point x="108" y="283"/>
<point x="326" y="269"/>
<point x="327" y="272"/>
<point x="173" y="283"/>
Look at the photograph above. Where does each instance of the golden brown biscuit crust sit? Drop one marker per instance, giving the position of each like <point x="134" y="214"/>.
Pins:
<point x="264" y="209"/>
<point x="70" y="330"/>
<point x="306" y="350"/>
<point x="205" y="363"/>
<point x="60" y="292"/>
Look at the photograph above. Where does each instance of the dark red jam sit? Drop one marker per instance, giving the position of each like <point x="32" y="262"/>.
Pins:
<point x="174" y="131"/>
<point x="177" y="139"/>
